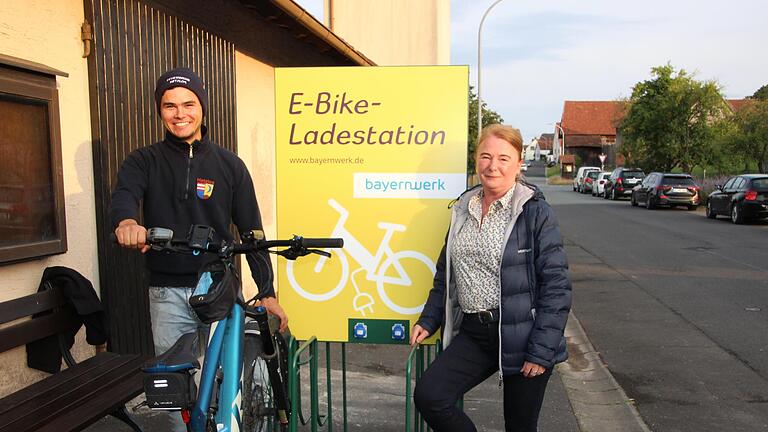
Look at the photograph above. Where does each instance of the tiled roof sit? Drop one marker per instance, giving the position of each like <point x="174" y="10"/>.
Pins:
<point x="568" y="158"/>
<point x="590" y="118"/>
<point x="738" y="104"/>
<point x="545" y="141"/>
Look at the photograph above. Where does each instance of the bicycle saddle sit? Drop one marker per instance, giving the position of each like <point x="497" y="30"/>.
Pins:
<point x="180" y="356"/>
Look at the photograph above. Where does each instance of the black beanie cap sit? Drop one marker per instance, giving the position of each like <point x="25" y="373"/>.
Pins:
<point x="181" y="77"/>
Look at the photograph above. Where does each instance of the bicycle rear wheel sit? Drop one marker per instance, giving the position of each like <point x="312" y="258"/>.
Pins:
<point x="258" y="406"/>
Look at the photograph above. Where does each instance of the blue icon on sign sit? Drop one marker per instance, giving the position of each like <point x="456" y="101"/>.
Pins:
<point x="360" y="331"/>
<point x="398" y="332"/>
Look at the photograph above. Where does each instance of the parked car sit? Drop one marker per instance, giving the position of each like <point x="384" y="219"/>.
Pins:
<point x="742" y="197"/>
<point x="551" y="161"/>
<point x="598" y="189"/>
<point x="666" y="189"/>
<point x="590" y="180"/>
<point x="621" y="182"/>
<point x="524" y="166"/>
<point x="580" y="174"/>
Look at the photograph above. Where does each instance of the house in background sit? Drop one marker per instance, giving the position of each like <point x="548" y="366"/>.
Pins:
<point x="538" y="148"/>
<point x="588" y="129"/>
<point x="545" y="145"/>
<point x="737" y="105"/>
<point x="557" y="143"/>
<point x="531" y="149"/>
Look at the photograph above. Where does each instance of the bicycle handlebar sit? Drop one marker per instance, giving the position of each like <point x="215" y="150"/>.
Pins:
<point x="297" y="242"/>
<point x="200" y="238"/>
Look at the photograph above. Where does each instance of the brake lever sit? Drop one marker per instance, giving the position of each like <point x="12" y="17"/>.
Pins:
<point x="159" y="247"/>
<point x="293" y="254"/>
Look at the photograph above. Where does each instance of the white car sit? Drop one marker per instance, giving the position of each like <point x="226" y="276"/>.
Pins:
<point x="599" y="188"/>
<point x="524" y="167"/>
<point x="580" y="174"/>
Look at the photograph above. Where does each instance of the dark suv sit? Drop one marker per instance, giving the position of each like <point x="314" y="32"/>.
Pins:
<point x="742" y="198"/>
<point x="666" y="189"/>
<point x="621" y="182"/>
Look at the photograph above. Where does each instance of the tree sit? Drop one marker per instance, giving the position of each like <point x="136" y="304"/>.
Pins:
<point x="489" y="117"/>
<point x="669" y="121"/>
<point x="761" y="93"/>
<point x="750" y="136"/>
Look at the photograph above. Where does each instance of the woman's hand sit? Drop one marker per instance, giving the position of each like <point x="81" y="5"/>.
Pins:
<point x="532" y="370"/>
<point x="274" y="308"/>
<point x="418" y="334"/>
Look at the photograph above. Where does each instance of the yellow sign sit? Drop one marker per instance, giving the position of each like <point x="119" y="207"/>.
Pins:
<point x="373" y="155"/>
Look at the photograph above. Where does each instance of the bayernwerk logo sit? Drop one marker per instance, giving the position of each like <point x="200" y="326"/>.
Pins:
<point x="204" y="188"/>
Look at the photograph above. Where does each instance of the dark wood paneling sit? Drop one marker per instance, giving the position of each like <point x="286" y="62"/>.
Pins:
<point x="134" y="44"/>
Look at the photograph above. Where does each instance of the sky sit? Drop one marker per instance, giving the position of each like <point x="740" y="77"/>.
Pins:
<point x="536" y="55"/>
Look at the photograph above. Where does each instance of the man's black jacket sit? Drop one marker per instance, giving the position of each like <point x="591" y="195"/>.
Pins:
<point x="180" y="185"/>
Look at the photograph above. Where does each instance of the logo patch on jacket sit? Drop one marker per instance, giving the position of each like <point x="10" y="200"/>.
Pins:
<point x="204" y="188"/>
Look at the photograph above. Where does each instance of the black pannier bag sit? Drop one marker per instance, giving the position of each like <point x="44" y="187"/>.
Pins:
<point x="169" y="381"/>
<point x="218" y="288"/>
<point x="170" y="391"/>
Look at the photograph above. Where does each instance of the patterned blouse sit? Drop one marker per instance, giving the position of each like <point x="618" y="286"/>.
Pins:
<point x="476" y="253"/>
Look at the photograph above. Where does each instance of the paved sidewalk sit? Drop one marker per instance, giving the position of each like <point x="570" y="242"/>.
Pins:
<point x="597" y="400"/>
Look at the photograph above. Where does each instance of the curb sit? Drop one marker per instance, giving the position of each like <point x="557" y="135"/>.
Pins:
<point x="597" y="399"/>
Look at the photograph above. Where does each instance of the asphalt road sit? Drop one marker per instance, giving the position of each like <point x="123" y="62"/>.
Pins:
<point x="677" y="306"/>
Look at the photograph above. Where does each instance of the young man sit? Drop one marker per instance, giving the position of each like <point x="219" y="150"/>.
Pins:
<point x="183" y="180"/>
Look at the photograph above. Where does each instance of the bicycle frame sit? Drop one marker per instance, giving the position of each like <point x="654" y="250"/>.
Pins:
<point x="220" y="392"/>
<point x="225" y="350"/>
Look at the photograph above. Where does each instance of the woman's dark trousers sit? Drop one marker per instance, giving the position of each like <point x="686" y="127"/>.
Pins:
<point x="470" y="359"/>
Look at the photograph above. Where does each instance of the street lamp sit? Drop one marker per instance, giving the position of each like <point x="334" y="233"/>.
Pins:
<point x="479" y="98"/>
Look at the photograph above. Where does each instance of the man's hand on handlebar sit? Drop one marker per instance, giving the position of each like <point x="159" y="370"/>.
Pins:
<point x="131" y="235"/>
<point x="274" y="308"/>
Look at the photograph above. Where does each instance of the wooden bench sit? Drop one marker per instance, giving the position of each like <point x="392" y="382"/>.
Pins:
<point x="77" y="396"/>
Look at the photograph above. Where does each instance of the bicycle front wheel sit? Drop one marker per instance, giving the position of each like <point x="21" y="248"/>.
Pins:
<point x="258" y="405"/>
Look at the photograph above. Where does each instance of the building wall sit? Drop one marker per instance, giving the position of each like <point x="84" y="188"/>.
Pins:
<point x="394" y="32"/>
<point x="256" y="140"/>
<point x="48" y="32"/>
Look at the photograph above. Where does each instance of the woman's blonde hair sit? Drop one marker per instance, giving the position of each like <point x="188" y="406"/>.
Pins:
<point x="507" y="133"/>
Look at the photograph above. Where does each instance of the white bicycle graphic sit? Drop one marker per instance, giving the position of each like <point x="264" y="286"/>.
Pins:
<point x="376" y="267"/>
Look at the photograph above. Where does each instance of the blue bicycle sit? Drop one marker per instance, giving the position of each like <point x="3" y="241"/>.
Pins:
<point x="240" y="335"/>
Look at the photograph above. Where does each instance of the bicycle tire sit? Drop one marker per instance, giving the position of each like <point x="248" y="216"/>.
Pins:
<point x="259" y="413"/>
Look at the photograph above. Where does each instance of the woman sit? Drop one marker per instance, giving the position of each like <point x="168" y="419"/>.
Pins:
<point x="501" y="294"/>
